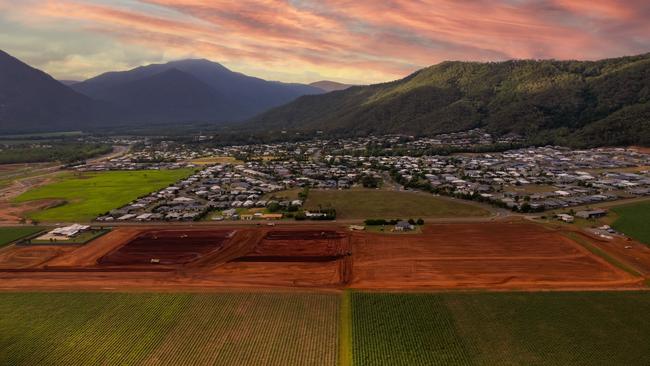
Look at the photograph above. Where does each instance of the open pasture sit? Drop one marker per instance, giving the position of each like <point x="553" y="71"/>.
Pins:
<point x="10" y="234"/>
<point x="383" y="204"/>
<point x="633" y="220"/>
<point x="84" y="196"/>
<point x="486" y="255"/>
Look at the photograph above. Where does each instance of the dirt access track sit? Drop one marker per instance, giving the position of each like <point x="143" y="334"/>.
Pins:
<point x="490" y="255"/>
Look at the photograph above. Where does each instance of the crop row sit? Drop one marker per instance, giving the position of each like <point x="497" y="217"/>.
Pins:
<point x="168" y="329"/>
<point x="570" y="328"/>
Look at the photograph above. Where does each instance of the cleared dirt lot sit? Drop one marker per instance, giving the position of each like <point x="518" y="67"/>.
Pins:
<point x="167" y="247"/>
<point x="299" y="246"/>
<point x="491" y="255"/>
<point x="634" y="254"/>
<point x="190" y="259"/>
<point x="19" y="257"/>
<point x="487" y="255"/>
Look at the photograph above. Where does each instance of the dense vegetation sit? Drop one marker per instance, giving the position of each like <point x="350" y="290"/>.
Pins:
<point x="10" y="234"/>
<point x="87" y="195"/>
<point x="168" y="329"/>
<point x="570" y="102"/>
<point x="633" y="220"/>
<point x="48" y="151"/>
<point x="582" y="328"/>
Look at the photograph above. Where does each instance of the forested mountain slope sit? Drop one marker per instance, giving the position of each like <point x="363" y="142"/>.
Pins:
<point x="603" y="102"/>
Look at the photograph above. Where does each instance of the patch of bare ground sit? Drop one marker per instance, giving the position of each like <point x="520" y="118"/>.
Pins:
<point x="488" y="255"/>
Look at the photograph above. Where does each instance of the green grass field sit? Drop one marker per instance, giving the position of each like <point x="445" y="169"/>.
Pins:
<point x="634" y="220"/>
<point x="168" y="329"/>
<point x="289" y="194"/>
<point x="546" y="328"/>
<point x="368" y="203"/>
<point x="11" y="234"/>
<point x="90" y="194"/>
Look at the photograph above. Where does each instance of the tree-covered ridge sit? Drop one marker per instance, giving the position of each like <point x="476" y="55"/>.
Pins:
<point x="572" y="102"/>
<point x="61" y="152"/>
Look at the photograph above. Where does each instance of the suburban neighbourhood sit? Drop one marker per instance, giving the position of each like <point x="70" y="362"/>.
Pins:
<point x="231" y="180"/>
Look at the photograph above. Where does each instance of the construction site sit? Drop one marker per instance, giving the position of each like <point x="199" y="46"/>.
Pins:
<point x="506" y="254"/>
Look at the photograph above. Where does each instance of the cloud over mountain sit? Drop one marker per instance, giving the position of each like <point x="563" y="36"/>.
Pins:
<point x="357" y="41"/>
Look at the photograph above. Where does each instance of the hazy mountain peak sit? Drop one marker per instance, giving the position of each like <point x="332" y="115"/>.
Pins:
<point x="329" y="86"/>
<point x="197" y="62"/>
<point x="244" y="95"/>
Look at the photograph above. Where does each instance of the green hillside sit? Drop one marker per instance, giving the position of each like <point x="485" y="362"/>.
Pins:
<point x="571" y="102"/>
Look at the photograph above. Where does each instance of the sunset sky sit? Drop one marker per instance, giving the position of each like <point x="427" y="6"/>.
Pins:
<point x="356" y="41"/>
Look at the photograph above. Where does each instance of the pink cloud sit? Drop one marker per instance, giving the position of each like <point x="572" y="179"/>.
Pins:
<point x="366" y="39"/>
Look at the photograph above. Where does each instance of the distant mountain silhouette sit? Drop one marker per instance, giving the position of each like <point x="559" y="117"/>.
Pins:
<point x="217" y="94"/>
<point x="68" y="82"/>
<point x="31" y="100"/>
<point x="169" y="96"/>
<point x="175" y="92"/>
<point x="330" y="86"/>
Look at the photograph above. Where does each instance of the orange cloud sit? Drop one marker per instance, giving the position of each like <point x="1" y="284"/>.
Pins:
<point x="358" y="40"/>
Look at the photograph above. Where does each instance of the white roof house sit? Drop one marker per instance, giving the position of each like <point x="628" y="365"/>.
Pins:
<point x="69" y="231"/>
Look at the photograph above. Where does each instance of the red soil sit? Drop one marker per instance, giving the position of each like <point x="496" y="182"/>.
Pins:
<point x="299" y="246"/>
<point x="634" y="254"/>
<point x="19" y="257"/>
<point x="487" y="255"/>
<point x="167" y="247"/>
<point x="87" y="255"/>
<point x="493" y="255"/>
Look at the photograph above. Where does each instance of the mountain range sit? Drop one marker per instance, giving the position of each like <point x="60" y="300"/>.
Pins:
<point x="174" y="92"/>
<point x="584" y="103"/>
<point x="188" y="90"/>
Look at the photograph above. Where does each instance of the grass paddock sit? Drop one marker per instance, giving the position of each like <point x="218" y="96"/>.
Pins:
<point x="369" y="203"/>
<point x="87" y="195"/>
<point x="634" y="220"/>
